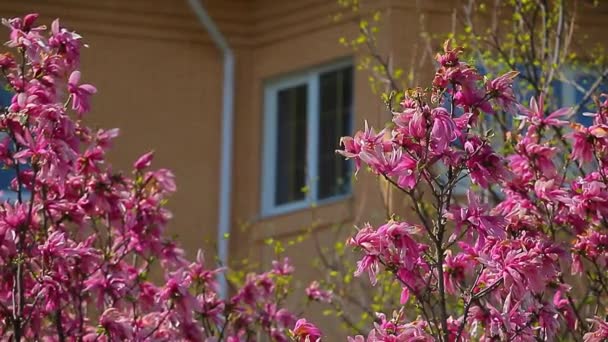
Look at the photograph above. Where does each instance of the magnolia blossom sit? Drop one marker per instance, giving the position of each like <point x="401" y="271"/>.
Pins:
<point x="392" y="245"/>
<point x="600" y="332"/>
<point x="501" y="89"/>
<point x="80" y="93"/>
<point x="314" y="292"/>
<point x="306" y="332"/>
<point x="396" y="329"/>
<point x="534" y="117"/>
<point x="477" y="217"/>
<point x="583" y="145"/>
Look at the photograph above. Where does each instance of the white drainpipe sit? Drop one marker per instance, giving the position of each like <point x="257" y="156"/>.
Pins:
<point x="223" y="229"/>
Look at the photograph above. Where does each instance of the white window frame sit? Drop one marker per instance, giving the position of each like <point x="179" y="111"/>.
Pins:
<point x="310" y="78"/>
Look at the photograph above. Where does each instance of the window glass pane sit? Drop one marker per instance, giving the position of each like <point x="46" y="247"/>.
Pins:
<point x="586" y="81"/>
<point x="335" y="112"/>
<point x="291" y="144"/>
<point x="5" y="97"/>
<point x="6" y="174"/>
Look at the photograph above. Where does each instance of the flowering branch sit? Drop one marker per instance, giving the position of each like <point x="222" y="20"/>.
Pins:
<point x="515" y="244"/>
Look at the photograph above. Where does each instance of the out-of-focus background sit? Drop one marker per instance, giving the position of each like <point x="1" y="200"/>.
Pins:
<point x="160" y="67"/>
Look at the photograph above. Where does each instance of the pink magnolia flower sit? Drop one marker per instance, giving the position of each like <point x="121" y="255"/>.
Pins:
<point x="589" y="197"/>
<point x="417" y="123"/>
<point x="80" y="93"/>
<point x="34" y="148"/>
<point x="600" y="333"/>
<point x="450" y="56"/>
<point x="484" y="165"/>
<point x="372" y="245"/>
<point x="25" y="35"/>
<point x="177" y="292"/>
<point x="102" y="287"/>
<point x="549" y="317"/>
<point x="443" y="131"/>
<point x="549" y="191"/>
<point x="116" y="325"/>
<point x="352" y="148"/>
<point x="535" y="115"/>
<point x="523" y="265"/>
<point x="456" y="268"/>
<point x="533" y="160"/>
<point x="592" y="245"/>
<point x="472" y="97"/>
<point x="393" y="246"/>
<point x="144" y="161"/>
<point x="394" y="164"/>
<point x="199" y="273"/>
<point x="412" y="122"/>
<point x="213" y="307"/>
<point x="67" y="42"/>
<point x="316" y="293"/>
<point x="396" y="330"/>
<point x="365" y="146"/>
<point x="164" y="180"/>
<point x="381" y="156"/>
<point x="509" y="324"/>
<point x="306" y="332"/>
<point x="7" y="61"/>
<point x="477" y="217"/>
<point x="282" y="268"/>
<point x="501" y="90"/>
<point x="582" y="144"/>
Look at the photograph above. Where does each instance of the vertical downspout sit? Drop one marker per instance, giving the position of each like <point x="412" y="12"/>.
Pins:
<point x="223" y="229"/>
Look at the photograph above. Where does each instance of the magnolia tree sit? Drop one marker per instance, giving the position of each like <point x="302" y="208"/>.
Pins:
<point x="521" y="255"/>
<point x="537" y="38"/>
<point x="79" y="240"/>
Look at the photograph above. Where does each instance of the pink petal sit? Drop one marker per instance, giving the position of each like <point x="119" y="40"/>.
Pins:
<point x="74" y="78"/>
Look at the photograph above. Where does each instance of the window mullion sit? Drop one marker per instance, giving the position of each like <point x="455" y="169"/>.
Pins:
<point x="270" y="150"/>
<point x="312" y="165"/>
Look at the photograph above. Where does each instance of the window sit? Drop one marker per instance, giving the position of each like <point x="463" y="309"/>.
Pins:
<point x="5" y="98"/>
<point x="567" y="94"/>
<point x="6" y="174"/>
<point x="305" y="116"/>
<point x="571" y="95"/>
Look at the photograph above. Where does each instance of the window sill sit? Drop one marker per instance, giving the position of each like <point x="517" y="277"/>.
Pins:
<point x="298" y="219"/>
<point x="290" y="208"/>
